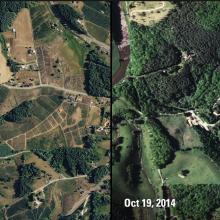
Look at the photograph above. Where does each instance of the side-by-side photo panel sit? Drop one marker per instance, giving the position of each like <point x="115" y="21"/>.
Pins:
<point x="165" y="110"/>
<point x="55" y="88"/>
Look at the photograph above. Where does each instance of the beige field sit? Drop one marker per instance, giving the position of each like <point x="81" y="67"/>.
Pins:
<point x="105" y="144"/>
<point x="149" y="12"/>
<point x="19" y="142"/>
<point x="77" y="115"/>
<point x="5" y="73"/>
<point x="25" y="76"/>
<point x="93" y="116"/>
<point x="24" y="37"/>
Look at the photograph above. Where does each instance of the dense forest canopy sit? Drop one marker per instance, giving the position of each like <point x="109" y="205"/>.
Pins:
<point x="20" y="112"/>
<point x="8" y="12"/>
<point x="178" y="61"/>
<point x="74" y="161"/>
<point x="68" y="16"/>
<point x="97" y="75"/>
<point x="196" y="201"/>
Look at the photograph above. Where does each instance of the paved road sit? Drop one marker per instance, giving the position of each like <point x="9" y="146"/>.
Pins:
<point x="47" y="86"/>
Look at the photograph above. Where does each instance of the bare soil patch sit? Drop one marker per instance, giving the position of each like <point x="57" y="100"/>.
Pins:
<point x="5" y="73"/>
<point x="23" y="39"/>
<point x="149" y="12"/>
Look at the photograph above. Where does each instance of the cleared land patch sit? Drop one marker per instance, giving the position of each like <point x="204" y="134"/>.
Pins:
<point x="101" y="34"/>
<point x="178" y="128"/>
<point x="149" y="12"/>
<point x="5" y="72"/>
<point x="23" y="39"/>
<point x="196" y="163"/>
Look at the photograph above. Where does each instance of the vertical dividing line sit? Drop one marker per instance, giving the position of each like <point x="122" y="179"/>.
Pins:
<point x="111" y="25"/>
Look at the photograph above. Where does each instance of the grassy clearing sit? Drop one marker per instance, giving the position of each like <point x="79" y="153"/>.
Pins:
<point x="42" y="107"/>
<point x="53" y="139"/>
<point x="5" y="150"/>
<point x="119" y="172"/>
<point x="115" y="58"/>
<point x="178" y="128"/>
<point x="201" y="169"/>
<point x="101" y="34"/>
<point x="78" y="49"/>
<point x="149" y="12"/>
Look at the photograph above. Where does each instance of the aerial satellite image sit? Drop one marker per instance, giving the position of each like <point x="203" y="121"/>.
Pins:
<point x="166" y="110"/>
<point x="55" y="82"/>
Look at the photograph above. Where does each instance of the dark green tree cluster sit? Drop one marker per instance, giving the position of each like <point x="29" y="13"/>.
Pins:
<point x="27" y="174"/>
<point x="196" y="202"/>
<point x="8" y="11"/>
<point x="116" y="20"/>
<point x="98" y="173"/>
<point x="211" y="143"/>
<point x="5" y="178"/>
<point x="170" y="82"/>
<point x="68" y="16"/>
<point x="208" y="16"/>
<point x="90" y="141"/>
<point x="3" y="45"/>
<point x="97" y="75"/>
<point x="161" y="145"/>
<point x="14" y="67"/>
<point x="20" y="112"/>
<point x="150" y="51"/>
<point x="75" y="161"/>
<point x="98" y="200"/>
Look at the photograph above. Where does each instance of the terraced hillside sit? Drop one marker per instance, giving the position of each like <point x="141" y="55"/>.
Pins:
<point x="54" y="135"/>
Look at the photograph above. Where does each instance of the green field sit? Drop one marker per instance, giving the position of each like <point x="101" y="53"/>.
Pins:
<point x="78" y="48"/>
<point x="101" y="34"/>
<point x="5" y="150"/>
<point x="120" y="174"/>
<point x="53" y="139"/>
<point x="178" y="128"/>
<point x="121" y="188"/>
<point x="42" y="107"/>
<point x="115" y="58"/>
<point x="201" y="169"/>
<point x="41" y="17"/>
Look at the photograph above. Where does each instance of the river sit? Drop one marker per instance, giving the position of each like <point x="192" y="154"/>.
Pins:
<point x="123" y="46"/>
